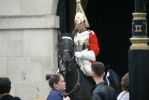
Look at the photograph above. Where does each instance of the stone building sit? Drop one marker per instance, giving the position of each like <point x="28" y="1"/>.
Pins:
<point x="28" y="38"/>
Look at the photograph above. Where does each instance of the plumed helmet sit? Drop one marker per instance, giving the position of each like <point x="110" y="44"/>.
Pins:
<point x="79" y="18"/>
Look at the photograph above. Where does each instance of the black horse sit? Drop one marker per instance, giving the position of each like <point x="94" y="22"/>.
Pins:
<point x="78" y="85"/>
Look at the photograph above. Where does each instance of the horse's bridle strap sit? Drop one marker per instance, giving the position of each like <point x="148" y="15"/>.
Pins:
<point x="77" y="84"/>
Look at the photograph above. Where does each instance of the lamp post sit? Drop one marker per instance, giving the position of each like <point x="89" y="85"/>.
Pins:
<point x="139" y="55"/>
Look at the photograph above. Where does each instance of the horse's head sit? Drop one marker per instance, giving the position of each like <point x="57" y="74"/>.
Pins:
<point x="75" y="86"/>
<point x="66" y="51"/>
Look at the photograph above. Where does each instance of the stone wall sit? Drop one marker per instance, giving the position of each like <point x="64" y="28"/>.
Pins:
<point x="28" y="40"/>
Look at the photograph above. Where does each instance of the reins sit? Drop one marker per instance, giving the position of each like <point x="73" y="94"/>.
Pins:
<point x="76" y="85"/>
<point x="64" y="72"/>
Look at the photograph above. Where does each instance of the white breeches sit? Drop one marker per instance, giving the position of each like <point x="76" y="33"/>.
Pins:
<point x="85" y="67"/>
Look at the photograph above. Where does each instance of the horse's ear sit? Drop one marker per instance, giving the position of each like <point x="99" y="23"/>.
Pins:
<point x="59" y="37"/>
<point x="59" y="41"/>
<point x="72" y="36"/>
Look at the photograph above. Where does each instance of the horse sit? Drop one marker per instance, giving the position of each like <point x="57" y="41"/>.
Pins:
<point x="78" y="85"/>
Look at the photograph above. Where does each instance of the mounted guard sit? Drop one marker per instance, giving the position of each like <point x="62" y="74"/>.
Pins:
<point x="87" y="47"/>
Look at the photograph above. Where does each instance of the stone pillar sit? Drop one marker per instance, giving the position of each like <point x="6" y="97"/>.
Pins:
<point x="28" y="40"/>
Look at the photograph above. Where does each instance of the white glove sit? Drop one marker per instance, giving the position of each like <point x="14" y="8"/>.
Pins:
<point x="89" y="55"/>
<point x="78" y="54"/>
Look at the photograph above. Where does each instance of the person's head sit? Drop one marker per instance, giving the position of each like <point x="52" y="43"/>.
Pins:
<point x="125" y="82"/>
<point x="98" y="69"/>
<point x="56" y="81"/>
<point x="79" y="22"/>
<point x="5" y="85"/>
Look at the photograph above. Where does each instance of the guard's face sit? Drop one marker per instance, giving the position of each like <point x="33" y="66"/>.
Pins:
<point x="79" y="26"/>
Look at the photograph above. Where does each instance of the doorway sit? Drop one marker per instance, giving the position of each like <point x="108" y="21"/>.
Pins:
<point x="111" y="21"/>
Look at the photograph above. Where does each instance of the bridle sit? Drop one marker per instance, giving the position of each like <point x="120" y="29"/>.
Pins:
<point x="76" y="85"/>
<point x="64" y="71"/>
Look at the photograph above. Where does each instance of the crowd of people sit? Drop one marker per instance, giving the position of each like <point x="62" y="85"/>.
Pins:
<point x="58" y="85"/>
<point x="102" y="91"/>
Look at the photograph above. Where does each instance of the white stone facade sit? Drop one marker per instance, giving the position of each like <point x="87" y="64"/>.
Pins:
<point x="28" y="45"/>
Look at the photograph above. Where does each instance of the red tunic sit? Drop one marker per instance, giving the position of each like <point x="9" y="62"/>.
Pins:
<point x="87" y="44"/>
